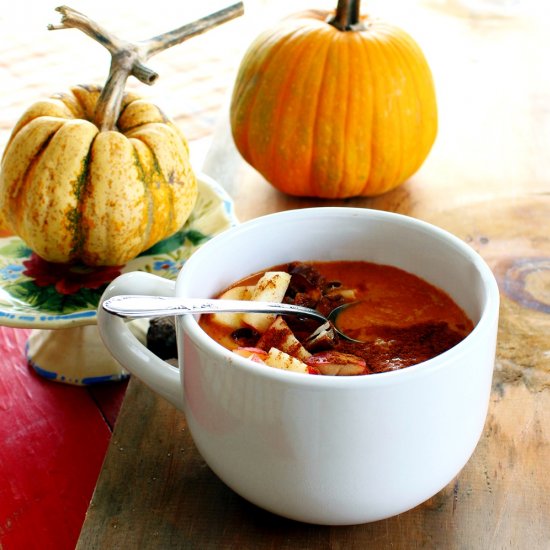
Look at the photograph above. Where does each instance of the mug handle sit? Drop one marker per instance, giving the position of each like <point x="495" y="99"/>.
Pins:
<point x="159" y="375"/>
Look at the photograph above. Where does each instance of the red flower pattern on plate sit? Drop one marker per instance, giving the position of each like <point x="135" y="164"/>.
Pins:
<point x="68" y="278"/>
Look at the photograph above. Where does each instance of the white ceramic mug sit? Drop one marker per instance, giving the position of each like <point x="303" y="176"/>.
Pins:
<point x="322" y="449"/>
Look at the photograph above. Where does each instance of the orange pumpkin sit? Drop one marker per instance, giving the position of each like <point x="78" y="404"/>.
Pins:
<point x="334" y="107"/>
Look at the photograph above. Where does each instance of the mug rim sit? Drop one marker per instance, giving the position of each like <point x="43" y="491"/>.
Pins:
<point x="488" y="315"/>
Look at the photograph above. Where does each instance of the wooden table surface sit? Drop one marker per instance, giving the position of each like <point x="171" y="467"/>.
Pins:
<point x="487" y="180"/>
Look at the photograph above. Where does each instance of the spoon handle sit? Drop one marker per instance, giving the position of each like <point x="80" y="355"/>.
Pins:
<point x="137" y="306"/>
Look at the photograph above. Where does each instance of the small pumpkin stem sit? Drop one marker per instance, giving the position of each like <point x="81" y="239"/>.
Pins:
<point x="347" y="16"/>
<point x="129" y="59"/>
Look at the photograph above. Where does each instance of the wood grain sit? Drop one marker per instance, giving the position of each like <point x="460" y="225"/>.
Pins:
<point x="486" y="180"/>
<point x="156" y="492"/>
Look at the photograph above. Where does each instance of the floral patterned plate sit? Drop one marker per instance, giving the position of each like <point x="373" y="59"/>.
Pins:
<point x="38" y="294"/>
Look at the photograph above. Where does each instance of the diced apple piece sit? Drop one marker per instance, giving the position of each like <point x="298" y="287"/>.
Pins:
<point x="347" y="294"/>
<point x="323" y="338"/>
<point x="254" y="354"/>
<point x="281" y="360"/>
<point x="336" y="363"/>
<point x="280" y="336"/>
<point x="233" y="320"/>
<point x="270" y="288"/>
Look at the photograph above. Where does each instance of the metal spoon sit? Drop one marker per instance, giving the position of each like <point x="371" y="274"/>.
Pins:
<point x="138" y="307"/>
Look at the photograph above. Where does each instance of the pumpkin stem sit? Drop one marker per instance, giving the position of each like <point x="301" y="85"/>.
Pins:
<point x="347" y="16"/>
<point x="128" y="58"/>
